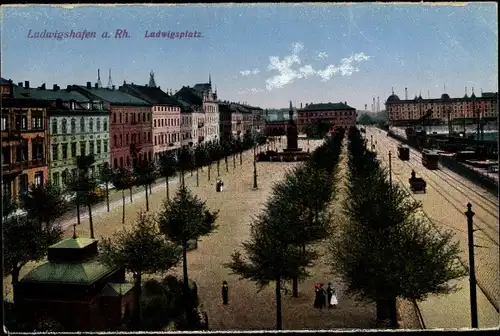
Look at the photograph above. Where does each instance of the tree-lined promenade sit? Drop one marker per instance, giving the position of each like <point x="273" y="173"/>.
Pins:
<point x="285" y="235"/>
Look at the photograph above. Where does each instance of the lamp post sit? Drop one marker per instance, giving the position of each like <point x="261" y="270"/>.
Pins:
<point x="472" y="269"/>
<point x="254" y="166"/>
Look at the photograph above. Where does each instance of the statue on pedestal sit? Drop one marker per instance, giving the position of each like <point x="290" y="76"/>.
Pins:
<point x="291" y="131"/>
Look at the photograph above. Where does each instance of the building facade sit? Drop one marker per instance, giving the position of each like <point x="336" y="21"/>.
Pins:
<point x="166" y="114"/>
<point x="338" y="114"/>
<point x="442" y="110"/>
<point x="24" y="141"/>
<point x="130" y="124"/>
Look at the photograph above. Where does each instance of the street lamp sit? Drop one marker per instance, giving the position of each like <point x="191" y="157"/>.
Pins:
<point x="254" y="164"/>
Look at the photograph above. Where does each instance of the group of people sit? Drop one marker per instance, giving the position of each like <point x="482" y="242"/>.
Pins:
<point x="324" y="297"/>
<point x="219" y="185"/>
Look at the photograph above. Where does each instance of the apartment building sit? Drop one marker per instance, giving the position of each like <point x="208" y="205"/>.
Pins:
<point x="338" y="114"/>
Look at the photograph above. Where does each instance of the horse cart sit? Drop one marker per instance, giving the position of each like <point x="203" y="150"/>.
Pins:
<point x="417" y="183"/>
<point x="404" y="152"/>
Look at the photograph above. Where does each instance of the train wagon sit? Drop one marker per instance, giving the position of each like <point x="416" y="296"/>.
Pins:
<point x="404" y="152"/>
<point x="430" y="159"/>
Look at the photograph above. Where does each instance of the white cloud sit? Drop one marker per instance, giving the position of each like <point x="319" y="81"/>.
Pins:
<point x="321" y="55"/>
<point x="249" y="72"/>
<point x="288" y="70"/>
<point x="252" y="90"/>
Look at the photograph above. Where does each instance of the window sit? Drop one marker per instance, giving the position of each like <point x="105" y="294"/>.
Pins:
<point x="154" y="123"/>
<point x="98" y="125"/>
<point x="83" y="146"/>
<point x="55" y="179"/>
<point x="114" y="118"/>
<point x="126" y="118"/>
<point x="99" y="142"/>
<point x="115" y="163"/>
<point x="91" y="125"/>
<point x="4" y="123"/>
<point x="105" y="146"/>
<point x="121" y="162"/>
<point x="64" y="176"/>
<point x="91" y="147"/>
<point x="82" y="125"/>
<point x="127" y="138"/>
<point x="55" y="152"/>
<point x="23" y="184"/>
<point x="121" y="118"/>
<point x="73" y="125"/>
<point x="54" y="126"/>
<point x="73" y="149"/>
<point x="115" y="140"/>
<point x="39" y="178"/>
<point x="144" y="117"/>
<point x="64" y="151"/>
<point x="64" y="126"/>
<point x="121" y="140"/>
<point x="36" y="122"/>
<point x="105" y="125"/>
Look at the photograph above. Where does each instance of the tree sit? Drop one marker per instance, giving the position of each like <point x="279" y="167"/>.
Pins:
<point x="141" y="250"/>
<point x="208" y="158"/>
<point x="24" y="240"/>
<point x="106" y="177"/>
<point x="88" y="194"/>
<point x="45" y="203"/>
<point x="122" y="179"/>
<point x="365" y="119"/>
<point x="167" y="164"/>
<point x="270" y="257"/>
<point x="145" y="175"/>
<point x="383" y="250"/>
<point x="199" y="158"/>
<point x="185" y="161"/>
<point x="226" y="150"/>
<point x="9" y="206"/>
<point x="217" y="154"/>
<point x="239" y="146"/>
<point x="186" y="218"/>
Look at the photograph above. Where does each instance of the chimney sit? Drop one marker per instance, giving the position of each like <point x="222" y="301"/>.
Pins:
<point x="20" y="84"/>
<point x="89" y="85"/>
<point x="345" y="103"/>
<point x="406" y="93"/>
<point x="27" y="84"/>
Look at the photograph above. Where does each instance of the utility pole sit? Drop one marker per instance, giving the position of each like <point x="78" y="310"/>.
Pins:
<point x="390" y="169"/>
<point x="472" y="269"/>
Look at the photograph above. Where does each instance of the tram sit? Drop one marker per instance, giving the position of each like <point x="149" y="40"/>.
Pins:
<point x="430" y="159"/>
<point x="403" y="152"/>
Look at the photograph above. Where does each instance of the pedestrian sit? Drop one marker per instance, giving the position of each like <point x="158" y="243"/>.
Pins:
<point x="225" y="293"/>
<point x="322" y="296"/>
<point x="317" y="298"/>
<point x="333" y="300"/>
<point x="329" y="294"/>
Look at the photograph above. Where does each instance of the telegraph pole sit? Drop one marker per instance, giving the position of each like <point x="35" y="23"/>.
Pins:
<point x="472" y="269"/>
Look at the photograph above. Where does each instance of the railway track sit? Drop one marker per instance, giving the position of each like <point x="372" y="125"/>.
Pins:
<point x="447" y="187"/>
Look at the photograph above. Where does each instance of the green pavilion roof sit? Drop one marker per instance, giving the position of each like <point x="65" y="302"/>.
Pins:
<point x="117" y="289"/>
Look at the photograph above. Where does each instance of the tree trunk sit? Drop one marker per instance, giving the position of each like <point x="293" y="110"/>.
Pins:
<point x="241" y="158"/>
<point x="137" y="301"/>
<point x="123" y="206"/>
<point x="168" y="191"/>
<point x="185" y="278"/>
<point x="150" y="189"/>
<point x="209" y="168"/>
<point x="191" y="172"/>
<point x="107" y="194"/>
<point x="393" y="312"/>
<point x="382" y="309"/>
<point x="147" y="197"/>
<point x="218" y="168"/>
<point x="295" y="287"/>
<point x="197" y="177"/>
<point x="91" y="222"/>
<point x="14" y="280"/>
<point x="180" y="178"/>
<point x="77" y="209"/>
<point x="183" y="183"/>
<point x="278" y="303"/>
<point x="131" y="195"/>
<point x="227" y="168"/>
<point x="234" y="161"/>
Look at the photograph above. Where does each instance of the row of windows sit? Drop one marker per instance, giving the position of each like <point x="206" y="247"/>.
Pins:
<point x="65" y="151"/>
<point x="166" y="109"/>
<point x="132" y="138"/>
<point x="61" y="178"/>
<point x="142" y="156"/>
<point x="166" y="139"/>
<point x="165" y="122"/>
<point x="82" y="129"/>
<point x="133" y="118"/>
<point x="21" y="122"/>
<point x="331" y="114"/>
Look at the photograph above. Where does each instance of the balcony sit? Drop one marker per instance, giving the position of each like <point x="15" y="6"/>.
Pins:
<point x="17" y="167"/>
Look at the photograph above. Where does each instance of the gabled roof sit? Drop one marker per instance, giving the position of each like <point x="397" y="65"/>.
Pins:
<point x="153" y="95"/>
<point x="327" y="106"/>
<point x="4" y="81"/>
<point x="116" y="289"/>
<point x="113" y="96"/>
<point x="203" y="87"/>
<point x="189" y="95"/>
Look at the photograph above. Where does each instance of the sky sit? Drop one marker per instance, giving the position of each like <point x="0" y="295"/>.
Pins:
<point x="266" y="54"/>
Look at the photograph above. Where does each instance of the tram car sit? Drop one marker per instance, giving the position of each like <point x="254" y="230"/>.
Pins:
<point x="430" y="159"/>
<point x="404" y="152"/>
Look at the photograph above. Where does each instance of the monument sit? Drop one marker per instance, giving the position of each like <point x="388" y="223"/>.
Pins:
<point x="291" y="134"/>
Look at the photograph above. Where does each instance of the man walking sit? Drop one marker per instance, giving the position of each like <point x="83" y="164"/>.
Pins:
<point x="225" y="293"/>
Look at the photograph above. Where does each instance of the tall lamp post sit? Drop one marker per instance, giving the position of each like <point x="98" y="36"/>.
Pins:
<point x="254" y="164"/>
<point x="472" y="268"/>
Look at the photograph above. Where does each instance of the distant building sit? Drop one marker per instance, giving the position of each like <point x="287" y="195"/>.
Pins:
<point x="75" y="289"/>
<point x="338" y="114"/>
<point x="441" y="110"/>
<point x="24" y="141"/>
<point x="130" y="124"/>
<point x="166" y="112"/>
